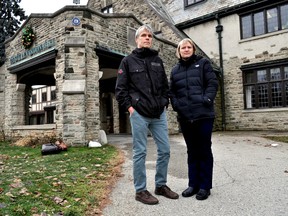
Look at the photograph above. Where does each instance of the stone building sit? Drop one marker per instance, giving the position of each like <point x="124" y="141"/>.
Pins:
<point x="78" y="50"/>
<point x="248" y="40"/>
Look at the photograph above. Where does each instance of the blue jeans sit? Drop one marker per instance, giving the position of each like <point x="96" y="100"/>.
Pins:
<point x="159" y="130"/>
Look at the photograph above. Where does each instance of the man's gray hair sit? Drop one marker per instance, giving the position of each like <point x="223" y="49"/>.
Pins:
<point x="142" y="28"/>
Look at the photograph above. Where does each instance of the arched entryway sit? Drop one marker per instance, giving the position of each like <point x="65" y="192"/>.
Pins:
<point x="113" y="119"/>
<point x="36" y="72"/>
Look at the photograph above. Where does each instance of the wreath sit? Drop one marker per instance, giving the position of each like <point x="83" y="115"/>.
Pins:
<point x="28" y="37"/>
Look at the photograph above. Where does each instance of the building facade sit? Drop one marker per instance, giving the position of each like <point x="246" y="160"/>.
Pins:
<point x="248" y="40"/>
<point x="76" y="51"/>
<point x="43" y="103"/>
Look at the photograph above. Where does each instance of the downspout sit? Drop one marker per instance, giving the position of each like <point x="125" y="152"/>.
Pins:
<point x="219" y="29"/>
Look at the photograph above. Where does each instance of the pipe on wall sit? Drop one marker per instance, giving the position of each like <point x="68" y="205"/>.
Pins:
<point x="219" y="29"/>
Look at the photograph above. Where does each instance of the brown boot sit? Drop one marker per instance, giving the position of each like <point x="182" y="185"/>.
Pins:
<point x="166" y="191"/>
<point x="146" y="198"/>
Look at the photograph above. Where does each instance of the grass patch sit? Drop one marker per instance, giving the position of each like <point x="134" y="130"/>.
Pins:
<point x="74" y="182"/>
<point x="283" y="139"/>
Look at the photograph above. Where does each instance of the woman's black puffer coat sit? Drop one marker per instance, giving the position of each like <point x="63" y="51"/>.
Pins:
<point x="193" y="88"/>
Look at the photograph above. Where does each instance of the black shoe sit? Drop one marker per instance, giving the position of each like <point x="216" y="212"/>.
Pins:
<point x="166" y="191"/>
<point x="146" y="198"/>
<point x="202" y="194"/>
<point x="190" y="191"/>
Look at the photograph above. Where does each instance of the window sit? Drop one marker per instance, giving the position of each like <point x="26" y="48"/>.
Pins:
<point x="34" y="99"/>
<point x="264" y="21"/>
<point x="53" y="95"/>
<point x="191" y="2"/>
<point x="131" y="37"/>
<point x="108" y="9"/>
<point x="284" y="16"/>
<point x="266" y="87"/>
<point x="44" y="96"/>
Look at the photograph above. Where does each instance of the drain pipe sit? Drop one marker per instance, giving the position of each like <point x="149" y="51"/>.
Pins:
<point x="219" y="29"/>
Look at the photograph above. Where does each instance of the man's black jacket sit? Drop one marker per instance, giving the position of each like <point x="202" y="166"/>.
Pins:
<point x="142" y="83"/>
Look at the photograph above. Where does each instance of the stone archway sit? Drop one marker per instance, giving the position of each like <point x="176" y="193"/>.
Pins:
<point x="40" y="72"/>
<point x="113" y="119"/>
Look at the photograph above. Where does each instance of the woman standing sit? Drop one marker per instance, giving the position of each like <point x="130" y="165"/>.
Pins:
<point x="193" y="88"/>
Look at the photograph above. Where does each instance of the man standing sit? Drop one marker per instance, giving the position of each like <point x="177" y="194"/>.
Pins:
<point x="142" y="89"/>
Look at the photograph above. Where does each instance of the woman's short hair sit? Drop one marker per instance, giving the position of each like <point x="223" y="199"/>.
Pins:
<point x="142" y="28"/>
<point x="185" y="40"/>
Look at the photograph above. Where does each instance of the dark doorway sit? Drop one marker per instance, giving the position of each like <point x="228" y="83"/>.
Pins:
<point x="109" y="62"/>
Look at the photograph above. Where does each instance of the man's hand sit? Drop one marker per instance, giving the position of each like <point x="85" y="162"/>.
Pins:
<point x="130" y="110"/>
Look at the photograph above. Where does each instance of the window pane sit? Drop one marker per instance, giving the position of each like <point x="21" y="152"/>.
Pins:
<point x="275" y="74"/>
<point x="272" y="20"/>
<point x="261" y="76"/>
<point x="250" y="96"/>
<point x="286" y="92"/>
<point x="248" y="77"/>
<point x="44" y="96"/>
<point x="246" y="26"/>
<point x="263" y="96"/>
<point x="284" y="16"/>
<point x="33" y="98"/>
<point x="259" y="23"/>
<point x="286" y="72"/>
<point x="53" y="95"/>
<point x="193" y="1"/>
<point x="276" y="94"/>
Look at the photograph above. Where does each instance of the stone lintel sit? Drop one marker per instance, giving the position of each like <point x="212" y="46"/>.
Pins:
<point x="74" y="87"/>
<point x="75" y="41"/>
<point x="34" y="127"/>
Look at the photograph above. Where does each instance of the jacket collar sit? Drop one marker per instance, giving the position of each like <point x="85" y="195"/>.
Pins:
<point x="144" y="52"/>
<point x="190" y="60"/>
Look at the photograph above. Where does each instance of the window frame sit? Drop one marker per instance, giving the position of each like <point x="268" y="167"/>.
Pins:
<point x="186" y="4"/>
<point x="271" y="85"/>
<point x="108" y="9"/>
<point x="251" y="24"/>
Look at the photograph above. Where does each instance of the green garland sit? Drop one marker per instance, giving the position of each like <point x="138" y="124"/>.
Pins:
<point x="28" y="37"/>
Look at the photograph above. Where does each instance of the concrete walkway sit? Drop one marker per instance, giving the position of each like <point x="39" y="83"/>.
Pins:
<point x="250" y="178"/>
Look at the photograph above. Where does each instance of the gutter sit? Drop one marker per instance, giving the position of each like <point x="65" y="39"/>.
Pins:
<point x="219" y="29"/>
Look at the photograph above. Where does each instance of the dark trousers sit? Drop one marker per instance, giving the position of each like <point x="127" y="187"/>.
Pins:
<point x="197" y="136"/>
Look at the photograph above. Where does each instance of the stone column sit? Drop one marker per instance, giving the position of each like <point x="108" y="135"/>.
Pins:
<point x="18" y="105"/>
<point x="74" y="112"/>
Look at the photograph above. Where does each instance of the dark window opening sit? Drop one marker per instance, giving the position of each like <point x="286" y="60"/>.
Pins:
<point x="33" y="99"/>
<point x="53" y="95"/>
<point x="44" y="96"/>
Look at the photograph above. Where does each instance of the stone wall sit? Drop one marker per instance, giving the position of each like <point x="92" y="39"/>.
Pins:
<point x="143" y="12"/>
<point x="179" y="14"/>
<point x="237" y="53"/>
<point x="77" y="110"/>
<point x="2" y="94"/>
